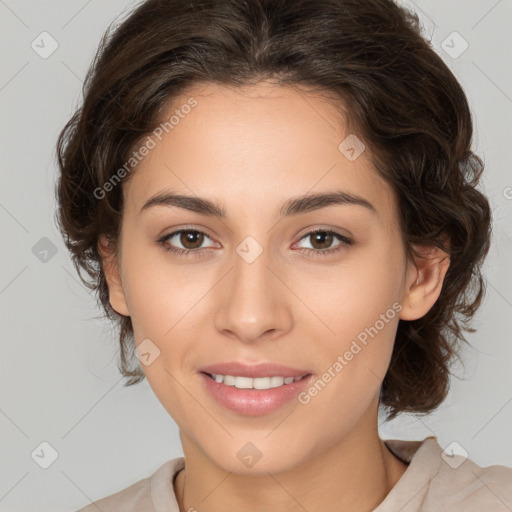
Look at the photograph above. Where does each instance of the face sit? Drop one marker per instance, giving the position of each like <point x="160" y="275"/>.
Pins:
<point x="258" y="285"/>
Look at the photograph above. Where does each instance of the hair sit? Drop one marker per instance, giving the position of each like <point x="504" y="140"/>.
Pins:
<point x="371" y="59"/>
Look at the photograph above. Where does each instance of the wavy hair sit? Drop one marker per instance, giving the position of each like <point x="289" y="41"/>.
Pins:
<point x="371" y="58"/>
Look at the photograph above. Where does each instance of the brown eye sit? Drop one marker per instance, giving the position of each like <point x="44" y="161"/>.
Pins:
<point x="321" y="241"/>
<point x="191" y="239"/>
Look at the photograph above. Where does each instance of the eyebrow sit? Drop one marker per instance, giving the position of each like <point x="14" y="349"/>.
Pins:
<point x="294" y="206"/>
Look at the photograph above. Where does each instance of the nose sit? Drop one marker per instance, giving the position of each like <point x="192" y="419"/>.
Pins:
<point x="254" y="302"/>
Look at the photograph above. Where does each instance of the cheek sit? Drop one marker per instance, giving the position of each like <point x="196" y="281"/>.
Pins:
<point x="356" y="310"/>
<point x="158" y="294"/>
<point x="163" y="302"/>
<point x="352" y="296"/>
<point x="167" y="306"/>
<point x="361" y="310"/>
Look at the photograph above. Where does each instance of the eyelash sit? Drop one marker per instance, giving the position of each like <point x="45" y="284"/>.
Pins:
<point x="197" y="252"/>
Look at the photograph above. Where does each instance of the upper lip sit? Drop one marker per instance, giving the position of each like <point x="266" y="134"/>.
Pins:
<point x="253" y="370"/>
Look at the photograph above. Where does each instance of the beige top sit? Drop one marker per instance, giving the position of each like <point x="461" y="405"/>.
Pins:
<point x="430" y="484"/>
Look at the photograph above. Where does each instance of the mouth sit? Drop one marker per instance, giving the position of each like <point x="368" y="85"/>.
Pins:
<point x="258" y="383"/>
<point x="264" y="369"/>
<point x="254" y="390"/>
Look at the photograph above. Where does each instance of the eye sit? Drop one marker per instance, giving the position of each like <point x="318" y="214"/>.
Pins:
<point x="322" y="239"/>
<point x="191" y="239"/>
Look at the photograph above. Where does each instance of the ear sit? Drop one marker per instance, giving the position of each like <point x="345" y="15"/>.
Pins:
<point x="424" y="281"/>
<point x="110" y="266"/>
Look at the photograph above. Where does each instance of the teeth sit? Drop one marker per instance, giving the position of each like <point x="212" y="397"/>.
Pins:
<point x="257" y="383"/>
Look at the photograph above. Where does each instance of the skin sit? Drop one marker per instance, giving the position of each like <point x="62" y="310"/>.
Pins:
<point x="289" y="307"/>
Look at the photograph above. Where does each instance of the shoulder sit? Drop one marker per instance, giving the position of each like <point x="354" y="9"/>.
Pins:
<point x="144" y="494"/>
<point x="131" y="499"/>
<point x="440" y="479"/>
<point x="470" y="487"/>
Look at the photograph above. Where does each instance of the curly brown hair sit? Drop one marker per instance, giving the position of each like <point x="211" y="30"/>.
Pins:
<point x="399" y="97"/>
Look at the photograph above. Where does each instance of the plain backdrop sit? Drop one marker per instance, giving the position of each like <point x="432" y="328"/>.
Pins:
<point x="60" y="392"/>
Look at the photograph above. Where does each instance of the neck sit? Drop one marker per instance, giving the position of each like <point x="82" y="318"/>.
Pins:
<point x="355" y="474"/>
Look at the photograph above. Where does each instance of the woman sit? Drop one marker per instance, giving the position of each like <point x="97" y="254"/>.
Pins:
<point x="276" y="202"/>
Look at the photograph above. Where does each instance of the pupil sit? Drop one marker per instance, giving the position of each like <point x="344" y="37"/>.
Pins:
<point x="323" y="235"/>
<point x="187" y="237"/>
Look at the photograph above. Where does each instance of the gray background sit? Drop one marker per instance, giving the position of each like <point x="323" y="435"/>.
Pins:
<point x="59" y="382"/>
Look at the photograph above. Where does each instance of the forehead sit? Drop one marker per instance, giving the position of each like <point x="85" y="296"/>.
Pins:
<point x="239" y="145"/>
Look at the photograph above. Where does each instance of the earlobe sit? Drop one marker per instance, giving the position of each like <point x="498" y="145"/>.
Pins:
<point x="110" y="267"/>
<point x="424" y="282"/>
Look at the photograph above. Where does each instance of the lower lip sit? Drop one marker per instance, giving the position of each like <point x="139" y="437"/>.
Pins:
<point x="254" y="402"/>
